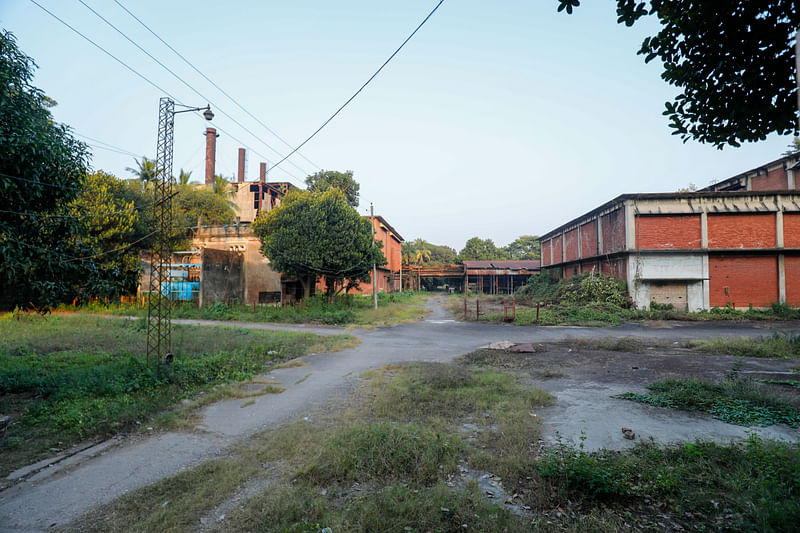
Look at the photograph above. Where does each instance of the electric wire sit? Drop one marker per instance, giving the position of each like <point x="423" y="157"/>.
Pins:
<point x="220" y="89"/>
<point x="147" y="80"/>
<point x="69" y="258"/>
<point x="38" y="182"/>
<point x="187" y="84"/>
<point x="109" y="54"/>
<point x="362" y="87"/>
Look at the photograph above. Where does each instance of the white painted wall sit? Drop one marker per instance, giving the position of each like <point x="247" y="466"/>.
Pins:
<point x="690" y="267"/>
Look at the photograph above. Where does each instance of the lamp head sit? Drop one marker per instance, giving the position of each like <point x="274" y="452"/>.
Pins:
<point x="208" y="114"/>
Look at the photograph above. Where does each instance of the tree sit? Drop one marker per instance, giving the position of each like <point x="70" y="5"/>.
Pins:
<point x="194" y="204"/>
<point x="477" y="249"/>
<point x="311" y="235"/>
<point x="432" y="253"/>
<point x="733" y="62"/>
<point x="145" y="171"/>
<point x="524" y="247"/>
<point x="793" y="147"/>
<point x="184" y="177"/>
<point x="42" y="167"/>
<point x="327" y="179"/>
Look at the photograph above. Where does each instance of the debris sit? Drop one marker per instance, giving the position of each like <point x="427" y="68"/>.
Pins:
<point x="522" y="348"/>
<point x="628" y="433"/>
<point x="501" y="345"/>
<point x="165" y="503"/>
<point x="221" y="518"/>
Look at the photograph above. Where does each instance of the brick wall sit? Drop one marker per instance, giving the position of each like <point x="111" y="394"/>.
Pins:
<point x="557" y="250"/>
<point x="665" y="232"/>
<point x="750" y="280"/>
<point x="792" y="265"/>
<point x="571" y="245"/>
<point x="546" y="253"/>
<point x="775" y="180"/>
<point x="613" y="231"/>
<point x="741" y="231"/>
<point x="791" y="230"/>
<point x="589" y="239"/>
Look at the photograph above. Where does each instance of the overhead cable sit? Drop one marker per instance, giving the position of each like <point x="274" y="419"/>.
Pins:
<point x="362" y="87"/>
<point x="220" y="89"/>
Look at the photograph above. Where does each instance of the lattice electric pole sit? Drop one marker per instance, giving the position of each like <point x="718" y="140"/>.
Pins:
<point x="159" y="325"/>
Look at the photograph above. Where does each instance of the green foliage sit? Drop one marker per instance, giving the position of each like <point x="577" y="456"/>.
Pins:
<point x="539" y="288"/>
<point x="733" y="401"/>
<point x="197" y="204"/>
<point x="524" y="247"/>
<point x="780" y="345"/>
<point x="331" y="179"/>
<point x="591" y="288"/>
<point x="477" y="249"/>
<point x="312" y="235"/>
<point x="386" y="450"/>
<point x="145" y="171"/>
<point x="735" y="66"/>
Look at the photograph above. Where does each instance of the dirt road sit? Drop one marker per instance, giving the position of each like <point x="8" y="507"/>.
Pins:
<point x="49" y="497"/>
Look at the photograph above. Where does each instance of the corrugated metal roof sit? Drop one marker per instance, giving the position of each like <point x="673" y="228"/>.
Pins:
<point x="534" y="264"/>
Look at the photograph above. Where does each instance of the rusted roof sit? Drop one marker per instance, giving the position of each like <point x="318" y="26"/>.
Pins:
<point x="533" y="264"/>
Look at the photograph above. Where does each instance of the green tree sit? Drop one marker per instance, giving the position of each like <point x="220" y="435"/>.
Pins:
<point x="196" y="204"/>
<point x="734" y="63"/>
<point x="327" y="179"/>
<point x="113" y="230"/>
<point x="311" y="235"/>
<point x="42" y="167"/>
<point x="145" y="171"/>
<point x="477" y="249"/>
<point x="524" y="247"/>
<point x="793" y="147"/>
<point x="184" y="177"/>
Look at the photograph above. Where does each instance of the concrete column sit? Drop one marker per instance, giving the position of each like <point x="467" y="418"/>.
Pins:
<point x="779" y="229"/>
<point x="781" y="279"/>
<point x="706" y="284"/>
<point x="599" y="235"/>
<point x="704" y="229"/>
<point x="630" y="225"/>
<point x="563" y="247"/>
<point x="790" y="179"/>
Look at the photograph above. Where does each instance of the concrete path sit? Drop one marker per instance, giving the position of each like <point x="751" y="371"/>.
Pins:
<point x="54" y="496"/>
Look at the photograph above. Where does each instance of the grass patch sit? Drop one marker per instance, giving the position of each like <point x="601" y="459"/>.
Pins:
<point x="67" y="378"/>
<point x="354" y="309"/>
<point x="751" y="486"/>
<point x="740" y="402"/>
<point x="778" y="345"/>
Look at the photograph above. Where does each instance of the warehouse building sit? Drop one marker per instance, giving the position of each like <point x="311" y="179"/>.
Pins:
<point x="694" y="250"/>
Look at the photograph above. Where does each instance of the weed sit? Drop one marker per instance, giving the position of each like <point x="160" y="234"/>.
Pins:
<point x="779" y="345"/>
<point x="739" y="402"/>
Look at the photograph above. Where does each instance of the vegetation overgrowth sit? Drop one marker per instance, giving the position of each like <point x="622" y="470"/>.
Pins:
<point x="591" y="299"/>
<point x="67" y="378"/>
<point x="435" y="447"/>
<point x="735" y="401"/>
<point x="347" y="309"/>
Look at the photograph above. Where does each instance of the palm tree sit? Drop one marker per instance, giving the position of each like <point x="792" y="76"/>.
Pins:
<point x="184" y="177"/>
<point x="145" y="171"/>
<point x="422" y="255"/>
<point x="222" y="188"/>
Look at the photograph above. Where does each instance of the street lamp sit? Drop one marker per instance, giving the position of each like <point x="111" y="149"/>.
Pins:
<point x="159" y="326"/>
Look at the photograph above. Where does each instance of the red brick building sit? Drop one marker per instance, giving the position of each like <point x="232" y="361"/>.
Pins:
<point x="735" y="243"/>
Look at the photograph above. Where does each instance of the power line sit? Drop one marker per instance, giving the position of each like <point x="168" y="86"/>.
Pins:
<point x="362" y="87"/>
<point x="69" y="258"/>
<point x="153" y="84"/>
<point x="187" y="84"/>
<point x="38" y="182"/>
<point x="109" y="54"/>
<point x="90" y="215"/>
<point x="220" y="89"/>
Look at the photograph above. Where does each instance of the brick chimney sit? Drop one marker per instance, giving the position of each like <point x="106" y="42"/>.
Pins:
<point x="211" y="154"/>
<point x="241" y="166"/>
<point x="262" y="172"/>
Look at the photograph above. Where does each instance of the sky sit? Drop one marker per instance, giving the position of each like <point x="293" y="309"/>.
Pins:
<point x="498" y="119"/>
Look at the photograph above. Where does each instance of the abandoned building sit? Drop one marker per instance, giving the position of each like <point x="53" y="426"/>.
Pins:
<point x="736" y="243"/>
<point x="498" y="277"/>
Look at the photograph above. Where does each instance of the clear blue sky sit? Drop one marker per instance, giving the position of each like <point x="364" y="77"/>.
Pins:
<point x="498" y="119"/>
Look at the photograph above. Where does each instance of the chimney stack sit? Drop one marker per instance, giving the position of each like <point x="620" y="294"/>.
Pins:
<point x="211" y="154"/>
<point x="263" y="173"/>
<point x="241" y="165"/>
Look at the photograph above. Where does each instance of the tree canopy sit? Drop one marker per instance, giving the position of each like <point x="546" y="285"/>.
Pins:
<point x="477" y="249"/>
<point x="421" y="251"/>
<point x="734" y="63"/>
<point x="42" y="168"/>
<point x="328" y="179"/>
<point x="311" y="235"/>
<point x="524" y="247"/>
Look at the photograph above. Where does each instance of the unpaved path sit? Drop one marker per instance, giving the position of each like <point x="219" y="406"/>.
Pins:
<point x="56" y="495"/>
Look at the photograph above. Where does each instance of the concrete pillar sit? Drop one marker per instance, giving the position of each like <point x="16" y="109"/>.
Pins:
<point x="706" y="284"/>
<point x="630" y="225"/>
<point x="599" y="235"/>
<point x="240" y="175"/>
<point x="779" y="229"/>
<point x="211" y="154"/>
<point x="791" y="183"/>
<point x="781" y="279"/>
<point x="704" y="229"/>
